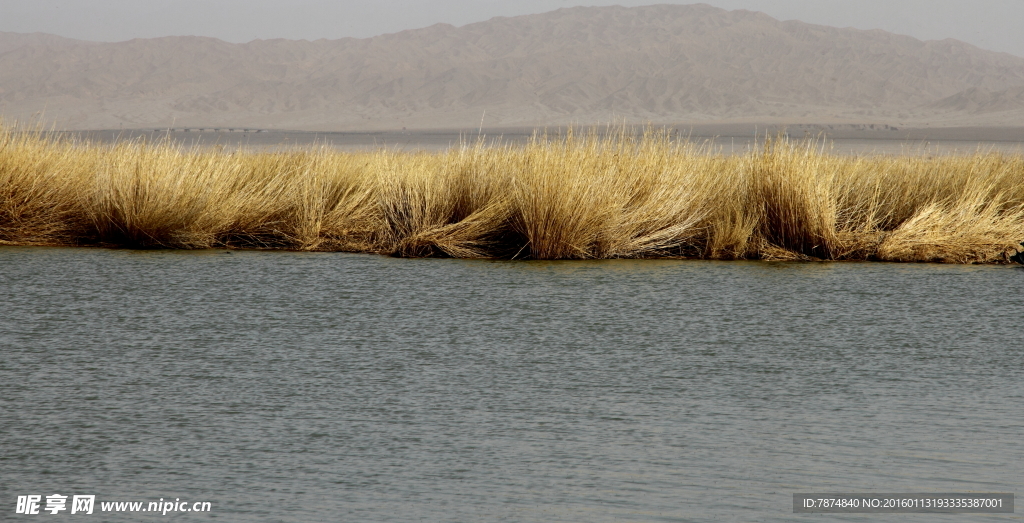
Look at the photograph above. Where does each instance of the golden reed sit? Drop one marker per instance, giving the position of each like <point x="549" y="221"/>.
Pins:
<point x="574" y="196"/>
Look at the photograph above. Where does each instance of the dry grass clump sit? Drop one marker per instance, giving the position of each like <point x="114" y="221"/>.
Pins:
<point x="612" y="198"/>
<point x="574" y="196"/>
<point x="37" y="189"/>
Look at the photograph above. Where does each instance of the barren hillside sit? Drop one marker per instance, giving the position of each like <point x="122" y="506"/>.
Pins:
<point x="658" y="63"/>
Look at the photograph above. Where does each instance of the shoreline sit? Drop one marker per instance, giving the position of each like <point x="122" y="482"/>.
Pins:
<point x="728" y="138"/>
<point x="228" y="249"/>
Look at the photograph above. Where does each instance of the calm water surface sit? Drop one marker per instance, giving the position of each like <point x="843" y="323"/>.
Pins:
<point x="918" y="142"/>
<point x="333" y="387"/>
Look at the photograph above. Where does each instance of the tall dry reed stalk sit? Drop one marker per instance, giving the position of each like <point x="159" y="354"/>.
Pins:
<point x="580" y="195"/>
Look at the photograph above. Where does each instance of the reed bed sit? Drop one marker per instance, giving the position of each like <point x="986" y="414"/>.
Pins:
<point x="577" y="195"/>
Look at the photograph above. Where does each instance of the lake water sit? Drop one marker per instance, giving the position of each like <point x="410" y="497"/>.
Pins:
<point x="301" y="387"/>
<point x="727" y="141"/>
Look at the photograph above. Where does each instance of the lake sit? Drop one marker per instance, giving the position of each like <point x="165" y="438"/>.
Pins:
<point x="300" y="387"/>
<point x="719" y="139"/>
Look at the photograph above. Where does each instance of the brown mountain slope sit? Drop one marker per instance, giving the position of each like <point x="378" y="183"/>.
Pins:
<point x="661" y="63"/>
<point x="979" y="101"/>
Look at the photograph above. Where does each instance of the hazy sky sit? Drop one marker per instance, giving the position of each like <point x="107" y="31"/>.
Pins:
<point x="991" y="24"/>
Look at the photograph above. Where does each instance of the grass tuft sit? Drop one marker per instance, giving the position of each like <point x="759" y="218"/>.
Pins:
<point x="579" y="195"/>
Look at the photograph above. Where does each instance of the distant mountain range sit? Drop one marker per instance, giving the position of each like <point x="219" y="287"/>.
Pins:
<point x="661" y="63"/>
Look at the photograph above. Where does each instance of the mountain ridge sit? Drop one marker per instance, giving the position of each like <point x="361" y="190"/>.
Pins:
<point x="662" y="63"/>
